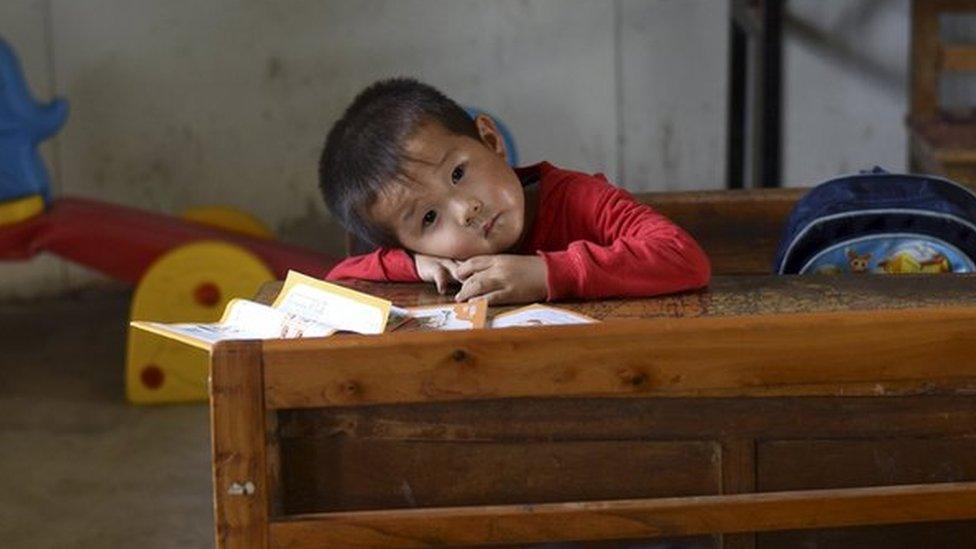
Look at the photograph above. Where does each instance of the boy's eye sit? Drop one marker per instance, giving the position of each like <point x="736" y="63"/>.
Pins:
<point x="429" y="218"/>
<point x="457" y="174"/>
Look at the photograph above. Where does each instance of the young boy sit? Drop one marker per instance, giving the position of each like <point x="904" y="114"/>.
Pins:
<point x="407" y="170"/>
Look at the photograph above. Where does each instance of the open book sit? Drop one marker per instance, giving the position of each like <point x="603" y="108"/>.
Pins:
<point x="309" y="307"/>
<point x="305" y="307"/>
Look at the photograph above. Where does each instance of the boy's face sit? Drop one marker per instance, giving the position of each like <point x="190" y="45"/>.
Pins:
<point x="462" y="198"/>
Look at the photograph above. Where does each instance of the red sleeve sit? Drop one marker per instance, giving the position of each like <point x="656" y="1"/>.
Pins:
<point x="635" y="250"/>
<point x="384" y="264"/>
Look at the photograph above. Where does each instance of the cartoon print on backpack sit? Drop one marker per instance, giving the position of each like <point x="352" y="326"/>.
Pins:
<point x="916" y="258"/>
<point x="857" y="262"/>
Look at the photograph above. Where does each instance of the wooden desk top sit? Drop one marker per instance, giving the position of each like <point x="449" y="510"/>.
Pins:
<point x="734" y="295"/>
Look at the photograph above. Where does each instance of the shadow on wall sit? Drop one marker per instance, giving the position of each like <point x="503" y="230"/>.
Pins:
<point x="315" y="229"/>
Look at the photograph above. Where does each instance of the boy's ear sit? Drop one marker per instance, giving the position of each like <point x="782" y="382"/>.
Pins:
<point x="490" y="136"/>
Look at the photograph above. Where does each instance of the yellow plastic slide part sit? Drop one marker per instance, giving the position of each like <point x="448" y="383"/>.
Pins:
<point x="191" y="283"/>
<point x="20" y="209"/>
<point x="232" y="219"/>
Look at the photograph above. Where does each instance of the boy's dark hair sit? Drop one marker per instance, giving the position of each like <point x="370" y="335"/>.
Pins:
<point x="364" y="149"/>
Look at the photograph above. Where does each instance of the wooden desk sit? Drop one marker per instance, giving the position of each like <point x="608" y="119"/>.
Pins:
<point x="651" y="425"/>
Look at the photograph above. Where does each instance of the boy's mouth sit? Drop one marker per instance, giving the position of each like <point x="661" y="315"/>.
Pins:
<point x="490" y="224"/>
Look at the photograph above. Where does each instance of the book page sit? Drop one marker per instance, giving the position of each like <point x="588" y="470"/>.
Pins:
<point x="320" y="303"/>
<point x="203" y="336"/>
<point x="242" y="319"/>
<point x="539" y="315"/>
<point x="451" y="316"/>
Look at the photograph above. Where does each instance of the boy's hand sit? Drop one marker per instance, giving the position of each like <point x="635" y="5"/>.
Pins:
<point x="503" y="278"/>
<point x="439" y="270"/>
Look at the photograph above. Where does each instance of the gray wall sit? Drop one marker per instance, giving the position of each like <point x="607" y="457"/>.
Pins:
<point x="180" y="103"/>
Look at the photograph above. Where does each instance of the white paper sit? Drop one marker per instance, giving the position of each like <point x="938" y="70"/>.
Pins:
<point x="537" y="315"/>
<point x="328" y="309"/>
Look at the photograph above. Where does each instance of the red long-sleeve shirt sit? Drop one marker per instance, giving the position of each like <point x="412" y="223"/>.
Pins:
<point x="596" y="240"/>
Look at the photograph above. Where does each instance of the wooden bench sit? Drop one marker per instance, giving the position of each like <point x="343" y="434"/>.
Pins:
<point x="769" y="429"/>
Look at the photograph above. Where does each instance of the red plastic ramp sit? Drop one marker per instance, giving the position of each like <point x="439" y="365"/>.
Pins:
<point x="122" y="242"/>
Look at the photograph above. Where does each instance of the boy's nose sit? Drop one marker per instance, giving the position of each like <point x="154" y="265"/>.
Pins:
<point x="470" y="210"/>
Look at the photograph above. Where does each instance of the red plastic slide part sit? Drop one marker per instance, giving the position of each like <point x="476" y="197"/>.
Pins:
<point x="122" y="242"/>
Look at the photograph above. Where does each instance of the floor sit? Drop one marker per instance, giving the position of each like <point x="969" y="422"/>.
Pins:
<point x="80" y="466"/>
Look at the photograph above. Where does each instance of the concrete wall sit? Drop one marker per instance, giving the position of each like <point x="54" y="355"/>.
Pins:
<point x="180" y="103"/>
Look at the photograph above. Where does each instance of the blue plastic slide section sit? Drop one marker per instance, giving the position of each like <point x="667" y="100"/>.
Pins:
<point x="24" y="123"/>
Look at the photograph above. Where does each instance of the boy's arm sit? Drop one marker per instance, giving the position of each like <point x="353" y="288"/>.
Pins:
<point x="638" y="252"/>
<point x="384" y="265"/>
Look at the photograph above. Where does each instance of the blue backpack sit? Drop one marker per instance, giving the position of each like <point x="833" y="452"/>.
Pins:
<point x="878" y="222"/>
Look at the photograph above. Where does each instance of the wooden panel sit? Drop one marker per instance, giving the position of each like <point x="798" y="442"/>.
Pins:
<point x="237" y="415"/>
<point x="738" y="476"/>
<point x="739" y="230"/>
<point x="628" y="518"/>
<point x="943" y="534"/>
<point x="429" y="425"/>
<point x="800" y="464"/>
<point x="343" y="473"/>
<point x="574" y="419"/>
<point x="793" y="465"/>
<point x="800" y="354"/>
<point x="426" y="429"/>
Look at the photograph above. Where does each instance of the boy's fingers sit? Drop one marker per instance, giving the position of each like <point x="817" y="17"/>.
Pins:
<point x="441" y="278"/>
<point x="472" y="287"/>
<point x="452" y="269"/>
<point x="469" y="288"/>
<point x="473" y="265"/>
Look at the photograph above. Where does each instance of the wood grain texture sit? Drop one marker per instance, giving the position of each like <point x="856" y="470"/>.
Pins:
<point x="941" y="534"/>
<point x="738" y="477"/>
<point x="628" y="518"/>
<point x="795" y="354"/>
<point x="733" y="295"/>
<point x="345" y="473"/>
<point x="237" y="418"/>
<point x="536" y="449"/>
<point x="844" y="463"/>
<point x="597" y="419"/>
